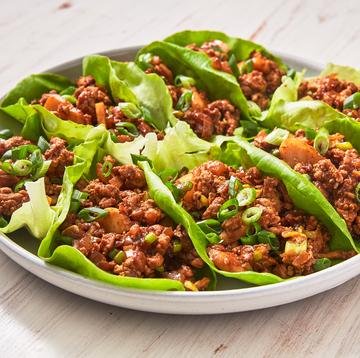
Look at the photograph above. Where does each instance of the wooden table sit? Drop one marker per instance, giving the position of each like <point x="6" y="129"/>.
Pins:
<point x="41" y="320"/>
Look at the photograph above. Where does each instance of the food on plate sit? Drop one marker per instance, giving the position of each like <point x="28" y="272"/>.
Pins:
<point x="205" y="155"/>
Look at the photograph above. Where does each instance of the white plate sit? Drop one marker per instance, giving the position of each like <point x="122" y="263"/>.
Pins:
<point x="232" y="296"/>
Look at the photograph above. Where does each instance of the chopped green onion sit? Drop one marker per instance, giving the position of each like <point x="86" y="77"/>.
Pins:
<point x="112" y="253"/>
<point x="119" y="257"/>
<point x="41" y="171"/>
<point x="21" y="183"/>
<point x="43" y="144"/>
<point x="174" y="190"/>
<point x="213" y="238"/>
<point x="209" y="226"/>
<point x="106" y="169"/>
<point x="6" y="156"/>
<point x="151" y="238"/>
<point x="22" y="167"/>
<point x="64" y="240"/>
<point x="85" y="214"/>
<point x="277" y="136"/>
<point x="234" y="187"/>
<point x="195" y="214"/>
<point x="3" y="222"/>
<point x="166" y="174"/>
<point x="344" y="146"/>
<point x="291" y="73"/>
<point x="76" y="198"/>
<point x="321" y="142"/>
<point x="257" y="227"/>
<point x="127" y="128"/>
<point x="71" y="99"/>
<point x="36" y="159"/>
<point x="276" y="153"/>
<point x="184" y="81"/>
<point x="298" y="247"/>
<point x="177" y="246"/>
<point x="160" y="269"/>
<point x="184" y="101"/>
<point x="356" y="192"/>
<point x="18" y="153"/>
<point x="68" y="91"/>
<point x="266" y="237"/>
<point x="233" y="65"/>
<point x="146" y="115"/>
<point x="322" y="264"/>
<point x="113" y="136"/>
<point x="254" y="109"/>
<point x="143" y="61"/>
<point x="184" y="188"/>
<point x="224" y="213"/>
<point x="310" y="133"/>
<point x="251" y="215"/>
<point x="250" y="240"/>
<point x="247" y="67"/>
<point x="140" y="158"/>
<point x="246" y="196"/>
<point x="6" y="134"/>
<point x="353" y="101"/>
<point x="7" y="168"/>
<point x="130" y="110"/>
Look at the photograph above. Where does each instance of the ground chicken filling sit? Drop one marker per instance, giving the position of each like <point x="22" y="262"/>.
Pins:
<point x="204" y="117"/>
<point x="93" y="106"/>
<point x="12" y="196"/>
<point x="336" y="174"/>
<point x="135" y="239"/>
<point x="331" y="91"/>
<point x="257" y="85"/>
<point x="291" y="226"/>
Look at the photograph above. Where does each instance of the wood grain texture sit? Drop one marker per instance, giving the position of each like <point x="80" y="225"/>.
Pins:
<point x="41" y="320"/>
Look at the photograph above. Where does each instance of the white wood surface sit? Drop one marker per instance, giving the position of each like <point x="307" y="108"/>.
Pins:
<point x="40" y="320"/>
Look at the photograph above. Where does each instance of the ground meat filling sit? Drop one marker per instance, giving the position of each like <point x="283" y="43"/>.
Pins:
<point x="331" y="91"/>
<point x="336" y="174"/>
<point x="210" y="191"/>
<point x="204" y="117"/>
<point x="132" y="217"/>
<point x="93" y="107"/>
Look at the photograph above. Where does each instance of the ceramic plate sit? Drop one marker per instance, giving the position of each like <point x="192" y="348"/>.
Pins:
<point x="232" y="295"/>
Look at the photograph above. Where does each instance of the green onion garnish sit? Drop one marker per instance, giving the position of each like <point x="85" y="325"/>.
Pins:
<point x="127" y="128"/>
<point x="112" y="253"/>
<point x="291" y="73"/>
<point x="43" y="144"/>
<point x="113" y="136"/>
<point x="68" y="91"/>
<point x="246" y="196"/>
<point x="76" y="198"/>
<point x="85" y="214"/>
<point x="166" y="174"/>
<point x="151" y="238"/>
<point x="6" y="134"/>
<point x="353" y="101"/>
<point x="275" y="152"/>
<point x="184" y="188"/>
<point x="146" y="115"/>
<point x="195" y="214"/>
<point x="22" y="167"/>
<point x="184" y="101"/>
<point x="177" y="246"/>
<point x="247" y="67"/>
<point x="3" y="222"/>
<point x="224" y="213"/>
<point x="254" y="109"/>
<point x="184" y="81"/>
<point x="174" y="190"/>
<point x="160" y="269"/>
<point x="71" y="99"/>
<point x="321" y="143"/>
<point x="356" y="192"/>
<point x="233" y="65"/>
<point x="106" y="169"/>
<point x="18" y="153"/>
<point x="36" y="159"/>
<point x="310" y="133"/>
<point x="21" y="183"/>
<point x="277" y="136"/>
<point x="213" y="238"/>
<point x="256" y="226"/>
<point x="41" y="171"/>
<point x="7" y="168"/>
<point x="322" y="264"/>
<point x="64" y="240"/>
<point x="250" y="240"/>
<point x="209" y="226"/>
<point x="266" y="237"/>
<point x="6" y="156"/>
<point x="143" y="61"/>
<point x="130" y="110"/>
<point x="251" y="215"/>
<point x="234" y="187"/>
<point x="140" y="158"/>
<point x="119" y="257"/>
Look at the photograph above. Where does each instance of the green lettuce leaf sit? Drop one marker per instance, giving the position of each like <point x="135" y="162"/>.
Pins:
<point x="35" y="215"/>
<point x="217" y="84"/>
<point x="127" y="82"/>
<point x="344" y="73"/>
<point x="239" y="47"/>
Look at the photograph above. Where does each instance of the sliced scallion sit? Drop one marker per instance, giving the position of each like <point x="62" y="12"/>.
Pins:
<point x="140" y="158"/>
<point x="213" y="238"/>
<point x="7" y="168"/>
<point x="247" y="67"/>
<point x="69" y="98"/>
<point x="250" y="240"/>
<point x="184" y="188"/>
<point x="174" y="190"/>
<point x="184" y="101"/>
<point x="36" y="159"/>
<point x="41" y="171"/>
<point x="234" y="187"/>
<point x="246" y="196"/>
<point x="184" y="81"/>
<point x="127" y="128"/>
<point x="254" y="225"/>
<point x="18" y="153"/>
<point x="277" y="136"/>
<point x="144" y="61"/>
<point x="3" y="222"/>
<point x="113" y="137"/>
<point x="22" y="167"/>
<point x="310" y="133"/>
<point x="224" y="212"/>
<point x="233" y="65"/>
<point x="177" y="246"/>
<point x="322" y="264"/>
<point x="291" y="73"/>
<point x="266" y="237"/>
<point x="20" y="184"/>
<point x="151" y="237"/>
<point x="86" y="214"/>
<point x="6" y="134"/>
<point x="146" y="115"/>
<point x="43" y="144"/>
<point x="353" y="101"/>
<point x="321" y="142"/>
<point x="254" y="109"/>
<point x="251" y="215"/>
<point x="356" y="192"/>
<point x="209" y="226"/>
<point x="119" y="257"/>
<point x="166" y="174"/>
<point x="106" y="169"/>
<point x="130" y="110"/>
